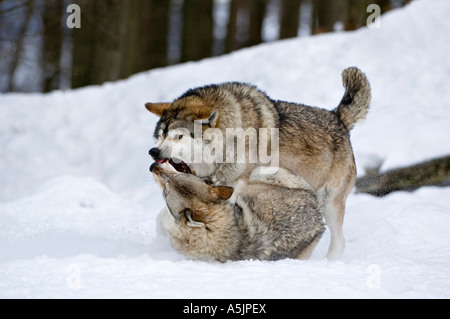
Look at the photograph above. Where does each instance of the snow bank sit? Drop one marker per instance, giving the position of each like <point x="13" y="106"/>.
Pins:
<point x="78" y="210"/>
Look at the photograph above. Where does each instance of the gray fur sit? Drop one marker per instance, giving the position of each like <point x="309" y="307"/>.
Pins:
<point x="314" y="143"/>
<point x="355" y="102"/>
<point x="261" y="221"/>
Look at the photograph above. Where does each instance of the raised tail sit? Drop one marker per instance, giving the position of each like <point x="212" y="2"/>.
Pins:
<point x="355" y="102"/>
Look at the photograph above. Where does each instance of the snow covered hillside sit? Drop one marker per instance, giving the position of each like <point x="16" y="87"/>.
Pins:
<point x="78" y="205"/>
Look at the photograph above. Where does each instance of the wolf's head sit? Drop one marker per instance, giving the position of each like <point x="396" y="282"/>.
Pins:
<point x="217" y="131"/>
<point x="203" y="223"/>
<point x="182" y="133"/>
<point x="189" y="199"/>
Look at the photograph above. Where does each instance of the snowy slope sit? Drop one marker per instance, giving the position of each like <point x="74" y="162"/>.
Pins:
<point x="78" y="206"/>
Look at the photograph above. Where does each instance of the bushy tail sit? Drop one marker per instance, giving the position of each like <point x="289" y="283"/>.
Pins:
<point x="355" y="102"/>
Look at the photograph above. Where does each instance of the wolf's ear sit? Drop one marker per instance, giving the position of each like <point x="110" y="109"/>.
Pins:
<point x="157" y="108"/>
<point x="196" y="219"/>
<point x="212" y="119"/>
<point x="222" y="192"/>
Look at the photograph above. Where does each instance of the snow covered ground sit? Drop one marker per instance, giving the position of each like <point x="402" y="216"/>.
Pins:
<point x="78" y="205"/>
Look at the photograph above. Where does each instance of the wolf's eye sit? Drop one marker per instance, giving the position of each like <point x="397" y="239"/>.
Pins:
<point x="179" y="137"/>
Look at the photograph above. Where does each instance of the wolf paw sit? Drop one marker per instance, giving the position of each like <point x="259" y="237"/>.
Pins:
<point x="278" y="176"/>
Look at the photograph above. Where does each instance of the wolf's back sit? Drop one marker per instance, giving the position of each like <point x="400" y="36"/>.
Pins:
<point x="355" y="102"/>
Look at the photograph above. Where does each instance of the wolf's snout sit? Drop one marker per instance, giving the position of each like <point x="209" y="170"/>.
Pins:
<point x="154" y="152"/>
<point x="152" y="167"/>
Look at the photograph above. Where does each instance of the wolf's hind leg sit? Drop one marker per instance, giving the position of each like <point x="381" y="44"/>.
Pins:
<point x="334" y="210"/>
<point x="306" y="252"/>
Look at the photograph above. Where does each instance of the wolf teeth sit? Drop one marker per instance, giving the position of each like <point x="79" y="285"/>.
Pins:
<point x="181" y="167"/>
<point x="167" y="165"/>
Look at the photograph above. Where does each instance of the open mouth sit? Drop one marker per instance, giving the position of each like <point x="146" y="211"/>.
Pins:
<point x="181" y="167"/>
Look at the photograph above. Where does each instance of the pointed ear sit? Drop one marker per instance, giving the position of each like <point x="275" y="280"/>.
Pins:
<point x="222" y="192"/>
<point x="212" y="119"/>
<point x="157" y="108"/>
<point x="195" y="218"/>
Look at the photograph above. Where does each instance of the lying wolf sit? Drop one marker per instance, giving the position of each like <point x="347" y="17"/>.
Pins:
<point x="313" y="143"/>
<point x="259" y="221"/>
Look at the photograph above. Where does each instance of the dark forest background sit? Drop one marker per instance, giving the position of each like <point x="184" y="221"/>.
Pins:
<point x="118" y="38"/>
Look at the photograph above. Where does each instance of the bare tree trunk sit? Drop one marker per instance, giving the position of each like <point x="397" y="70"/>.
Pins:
<point x="154" y="29"/>
<point x="356" y="14"/>
<point x="83" y="51"/>
<point x="326" y="13"/>
<point x="231" y="42"/>
<point x="129" y="22"/>
<point x="197" y="30"/>
<point x="18" y="49"/>
<point x="385" y="5"/>
<point x="52" y="42"/>
<point x="100" y="46"/>
<point x="257" y="10"/>
<point x="108" y="43"/>
<point x="120" y="38"/>
<point x="433" y="172"/>
<point x="289" y="18"/>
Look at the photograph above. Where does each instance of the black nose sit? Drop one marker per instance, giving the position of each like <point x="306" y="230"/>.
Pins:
<point x="154" y="164"/>
<point x="154" y="152"/>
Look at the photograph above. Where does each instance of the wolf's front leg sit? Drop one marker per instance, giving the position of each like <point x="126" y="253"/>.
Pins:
<point x="278" y="176"/>
<point x="227" y="174"/>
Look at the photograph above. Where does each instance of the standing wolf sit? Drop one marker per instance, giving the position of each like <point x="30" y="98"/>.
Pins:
<point x="313" y="143"/>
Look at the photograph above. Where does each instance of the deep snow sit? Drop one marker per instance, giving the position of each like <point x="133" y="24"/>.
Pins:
<point x="78" y="206"/>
